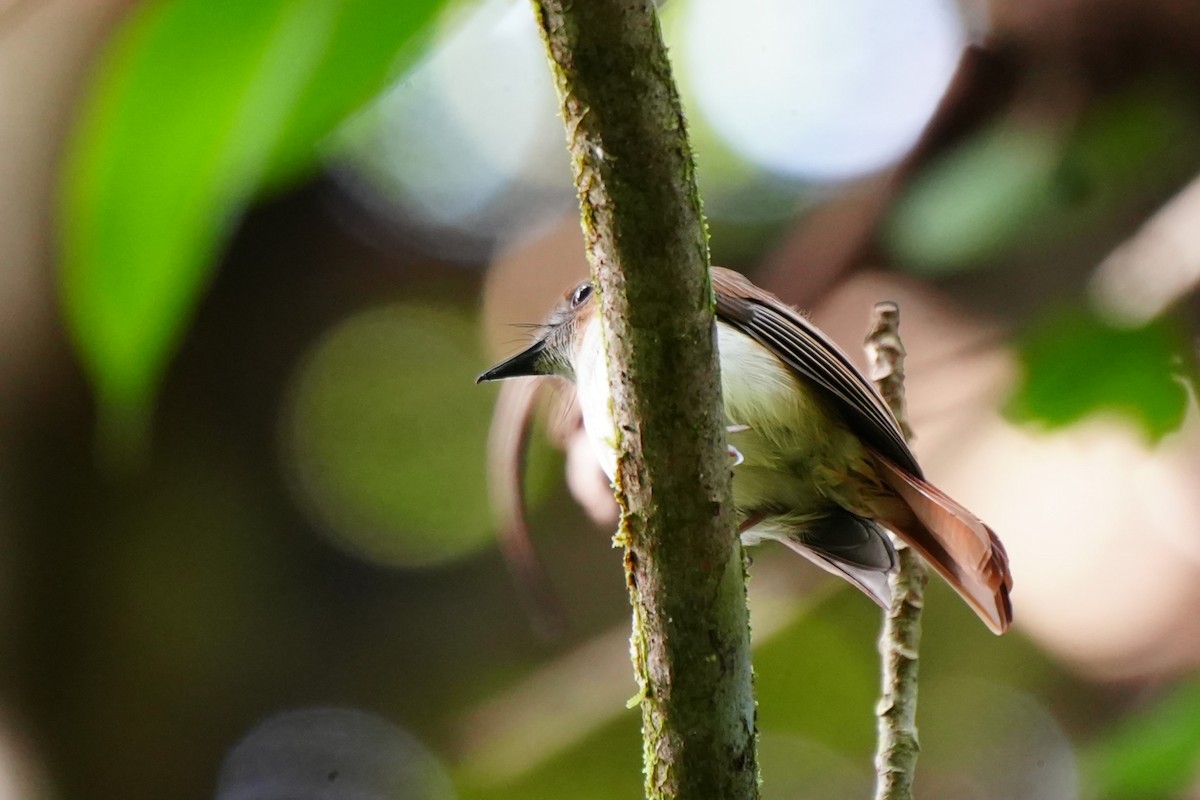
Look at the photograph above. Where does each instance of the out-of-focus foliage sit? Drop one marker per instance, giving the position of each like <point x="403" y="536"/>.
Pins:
<point x="1153" y="754"/>
<point x="1025" y="182"/>
<point x="1075" y="365"/>
<point x="843" y="678"/>
<point x="383" y="421"/>
<point x="977" y="199"/>
<point x="1036" y="182"/>
<point x="195" y="105"/>
<point x="598" y="770"/>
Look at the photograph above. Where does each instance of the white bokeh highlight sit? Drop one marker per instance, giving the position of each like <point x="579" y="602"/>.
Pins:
<point x="451" y="142"/>
<point x="820" y="90"/>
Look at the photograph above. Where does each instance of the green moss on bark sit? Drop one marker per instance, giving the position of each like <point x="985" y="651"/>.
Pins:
<point x="646" y="241"/>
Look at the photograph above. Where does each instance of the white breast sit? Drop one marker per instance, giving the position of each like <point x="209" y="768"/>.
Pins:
<point x="757" y="388"/>
<point x="785" y="436"/>
<point x="595" y="399"/>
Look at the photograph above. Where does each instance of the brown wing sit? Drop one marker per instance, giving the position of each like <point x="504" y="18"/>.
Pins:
<point x="958" y="545"/>
<point x="814" y="357"/>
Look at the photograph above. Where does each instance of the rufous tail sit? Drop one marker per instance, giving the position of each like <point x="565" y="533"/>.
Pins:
<point x="955" y="542"/>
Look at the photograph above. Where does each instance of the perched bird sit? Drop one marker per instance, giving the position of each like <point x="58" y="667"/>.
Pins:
<point x="821" y="464"/>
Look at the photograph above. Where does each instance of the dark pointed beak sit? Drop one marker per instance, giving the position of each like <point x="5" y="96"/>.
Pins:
<point x="526" y="362"/>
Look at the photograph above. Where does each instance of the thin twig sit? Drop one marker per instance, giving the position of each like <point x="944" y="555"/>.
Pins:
<point x="896" y="713"/>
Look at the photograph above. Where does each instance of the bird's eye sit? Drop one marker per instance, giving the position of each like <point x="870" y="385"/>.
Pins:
<point x="581" y="294"/>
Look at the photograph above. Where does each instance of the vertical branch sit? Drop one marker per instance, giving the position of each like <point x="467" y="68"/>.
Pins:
<point x="649" y="255"/>
<point x="898" y="747"/>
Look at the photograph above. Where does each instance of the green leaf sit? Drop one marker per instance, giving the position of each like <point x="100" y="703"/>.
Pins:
<point x="1076" y="364"/>
<point x="195" y="104"/>
<point x="369" y="44"/>
<point x="1154" y="754"/>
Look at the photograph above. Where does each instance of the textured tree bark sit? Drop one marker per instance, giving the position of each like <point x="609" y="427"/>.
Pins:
<point x="649" y="254"/>
<point x="897" y="743"/>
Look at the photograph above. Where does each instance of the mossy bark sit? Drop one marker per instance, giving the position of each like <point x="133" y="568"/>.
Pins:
<point x="648" y="249"/>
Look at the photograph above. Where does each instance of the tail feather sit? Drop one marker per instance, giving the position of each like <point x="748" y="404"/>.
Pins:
<point x="840" y="542"/>
<point x="871" y="582"/>
<point x="965" y="551"/>
<point x="851" y="547"/>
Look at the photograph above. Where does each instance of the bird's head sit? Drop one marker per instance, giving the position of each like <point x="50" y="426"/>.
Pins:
<point x="553" y="351"/>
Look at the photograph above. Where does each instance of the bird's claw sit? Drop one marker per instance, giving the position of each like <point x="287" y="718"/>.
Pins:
<point x="734" y="453"/>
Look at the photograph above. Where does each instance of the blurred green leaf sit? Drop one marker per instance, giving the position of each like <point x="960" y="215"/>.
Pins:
<point x="369" y="43"/>
<point x="607" y="766"/>
<point x="1141" y="137"/>
<point x="1153" y="754"/>
<point x="195" y="104"/>
<point x="1016" y="183"/>
<point x="975" y="200"/>
<point x="826" y="694"/>
<point x="1075" y="365"/>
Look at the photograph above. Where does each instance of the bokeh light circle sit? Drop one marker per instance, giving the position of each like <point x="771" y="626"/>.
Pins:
<point x="331" y="754"/>
<point x="468" y="143"/>
<point x="982" y="739"/>
<point x="385" y="436"/>
<point x="821" y="90"/>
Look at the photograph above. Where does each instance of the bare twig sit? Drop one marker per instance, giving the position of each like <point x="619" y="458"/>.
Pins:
<point x="898" y="747"/>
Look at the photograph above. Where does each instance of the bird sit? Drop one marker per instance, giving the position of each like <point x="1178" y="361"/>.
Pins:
<point x="820" y="463"/>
